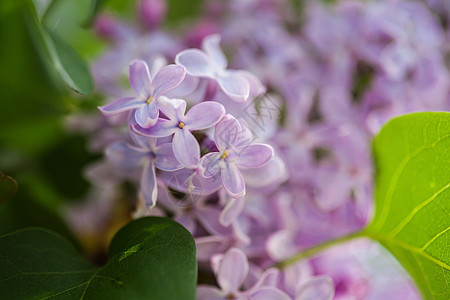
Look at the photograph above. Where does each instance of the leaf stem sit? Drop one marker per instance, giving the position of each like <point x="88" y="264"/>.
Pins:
<point x="318" y="248"/>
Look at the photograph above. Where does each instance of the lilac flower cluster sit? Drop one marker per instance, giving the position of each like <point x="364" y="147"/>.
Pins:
<point x="272" y="157"/>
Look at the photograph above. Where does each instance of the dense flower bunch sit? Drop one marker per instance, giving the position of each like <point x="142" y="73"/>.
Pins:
<point x="264" y="151"/>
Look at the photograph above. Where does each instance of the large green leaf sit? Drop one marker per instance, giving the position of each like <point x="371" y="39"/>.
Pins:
<point x="412" y="217"/>
<point x="150" y="258"/>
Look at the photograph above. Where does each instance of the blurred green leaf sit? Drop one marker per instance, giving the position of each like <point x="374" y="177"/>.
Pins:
<point x="8" y="188"/>
<point x="94" y="8"/>
<point x="69" y="64"/>
<point x="413" y="198"/>
<point x="150" y="258"/>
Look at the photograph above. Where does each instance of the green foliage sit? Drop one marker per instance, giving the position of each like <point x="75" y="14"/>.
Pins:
<point x="8" y="188"/>
<point x="412" y="218"/>
<point x="150" y="258"/>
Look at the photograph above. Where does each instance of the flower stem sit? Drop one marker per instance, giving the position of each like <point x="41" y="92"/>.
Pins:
<point x="318" y="248"/>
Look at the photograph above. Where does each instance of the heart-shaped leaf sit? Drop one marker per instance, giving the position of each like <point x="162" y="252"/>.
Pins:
<point x="150" y="258"/>
<point x="8" y="188"/>
<point x="412" y="216"/>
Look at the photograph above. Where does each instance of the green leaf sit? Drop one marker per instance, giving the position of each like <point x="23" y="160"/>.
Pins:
<point x="8" y="188"/>
<point x="150" y="258"/>
<point x="68" y="64"/>
<point x="94" y="7"/>
<point x="412" y="218"/>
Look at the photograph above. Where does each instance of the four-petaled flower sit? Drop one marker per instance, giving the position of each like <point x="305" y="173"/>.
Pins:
<point x="234" y="152"/>
<point x="231" y="270"/>
<point x="199" y="117"/>
<point x="148" y="155"/>
<point x="148" y="91"/>
<point x="212" y="63"/>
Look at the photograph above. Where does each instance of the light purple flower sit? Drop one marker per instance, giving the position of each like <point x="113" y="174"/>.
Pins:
<point x="231" y="270"/>
<point x="185" y="146"/>
<point x="212" y="63"/>
<point x="147" y="154"/>
<point x="147" y="90"/>
<point x="234" y="153"/>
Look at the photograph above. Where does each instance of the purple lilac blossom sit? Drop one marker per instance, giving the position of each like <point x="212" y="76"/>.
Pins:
<point x="199" y="117"/>
<point x="234" y="153"/>
<point x="147" y="90"/>
<point x="334" y="78"/>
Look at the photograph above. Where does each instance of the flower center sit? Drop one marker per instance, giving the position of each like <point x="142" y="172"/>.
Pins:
<point x="181" y="125"/>
<point x="225" y="154"/>
<point x="150" y="99"/>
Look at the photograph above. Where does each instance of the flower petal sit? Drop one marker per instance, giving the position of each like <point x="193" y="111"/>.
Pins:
<point x="210" y="164"/>
<point x="173" y="108"/>
<point x="208" y="216"/>
<point x="121" y="105"/>
<point x="318" y="288"/>
<point x="211" y="45"/>
<point x="231" y="211"/>
<point x="205" y="292"/>
<point x="140" y="79"/>
<point x="269" y="293"/>
<point x="227" y="132"/>
<point x="195" y="61"/>
<point x="232" y="180"/>
<point x="149" y="190"/>
<point x="162" y="128"/>
<point x="235" y="86"/>
<point x="204" y="115"/>
<point x="167" y="79"/>
<point x="125" y="156"/>
<point x="165" y="159"/>
<point x="252" y="156"/>
<point x="186" y="148"/>
<point x="147" y="115"/>
<point x="232" y="271"/>
<point x="274" y="172"/>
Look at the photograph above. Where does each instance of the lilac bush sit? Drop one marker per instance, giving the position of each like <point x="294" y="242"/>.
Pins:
<point x="266" y="130"/>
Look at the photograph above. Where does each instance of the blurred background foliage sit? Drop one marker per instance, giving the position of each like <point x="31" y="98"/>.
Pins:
<point x="45" y="47"/>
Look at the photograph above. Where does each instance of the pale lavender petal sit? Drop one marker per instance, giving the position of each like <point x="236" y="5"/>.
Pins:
<point x="227" y="132"/>
<point x="187" y="221"/>
<point x="269" y="293"/>
<point x="252" y="156"/>
<point x="140" y="79"/>
<point x="235" y="86"/>
<point x="210" y="164"/>
<point x="186" y="87"/>
<point x="211" y="45"/>
<point x="165" y="158"/>
<point x="173" y="108"/>
<point x="195" y="61"/>
<point x="268" y="278"/>
<point x="281" y="245"/>
<point x="147" y="115"/>
<point x="232" y="271"/>
<point x="167" y="79"/>
<point x="274" y="172"/>
<point x="209" y="218"/>
<point x="318" y="288"/>
<point x="121" y="105"/>
<point x="144" y="142"/>
<point x="186" y="148"/>
<point x="162" y="128"/>
<point x="149" y="190"/>
<point x="256" y="86"/>
<point x="204" y="115"/>
<point x="232" y="180"/>
<point x="205" y="292"/>
<point x="125" y="156"/>
<point x="210" y="245"/>
<point x="231" y="211"/>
